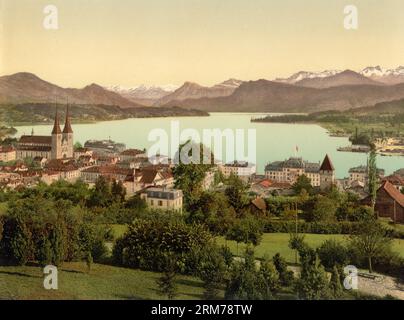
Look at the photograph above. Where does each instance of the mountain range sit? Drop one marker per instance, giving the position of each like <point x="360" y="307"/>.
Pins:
<point x="379" y="74"/>
<point x="302" y="92"/>
<point x="26" y="87"/>
<point x="145" y="95"/>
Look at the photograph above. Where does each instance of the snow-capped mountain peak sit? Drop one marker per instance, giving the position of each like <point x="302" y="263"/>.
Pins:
<point x="299" y="76"/>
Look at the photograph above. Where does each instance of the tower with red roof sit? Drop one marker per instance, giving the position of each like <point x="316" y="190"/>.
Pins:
<point x="327" y="174"/>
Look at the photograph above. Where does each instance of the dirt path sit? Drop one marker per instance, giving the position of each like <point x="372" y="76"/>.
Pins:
<point x="381" y="286"/>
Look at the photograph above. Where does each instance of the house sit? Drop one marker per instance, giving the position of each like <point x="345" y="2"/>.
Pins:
<point x="389" y="202"/>
<point x="242" y="169"/>
<point x="396" y="180"/>
<point x="258" y="206"/>
<point x="209" y="179"/>
<point x="105" y="147"/>
<point x="40" y="161"/>
<point x="360" y="174"/>
<point x="288" y="171"/>
<point x="91" y="174"/>
<point x="148" y="177"/>
<point x="267" y="187"/>
<point x="400" y="172"/>
<point x="159" y="159"/>
<point x="132" y="155"/>
<point x="163" y="199"/>
<point x="61" y="169"/>
<point x="80" y="152"/>
<point x="7" y="154"/>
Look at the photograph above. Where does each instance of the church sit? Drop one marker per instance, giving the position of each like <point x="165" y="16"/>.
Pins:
<point x="59" y="145"/>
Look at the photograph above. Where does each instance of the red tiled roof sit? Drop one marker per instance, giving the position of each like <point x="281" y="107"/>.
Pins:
<point x="109" y="170"/>
<point x="132" y="152"/>
<point x="260" y="204"/>
<point x="148" y="176"/>
<point x="36" y="140"/>
<point x="395" y="180"/>
<point x="281" y="185"/>
<point x="327" y="164"/>
<point x="266" y="183"/>
<point x="6" y="149"/>
<point x="393" y="192"/>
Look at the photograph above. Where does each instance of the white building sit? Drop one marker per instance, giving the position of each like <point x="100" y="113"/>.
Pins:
<point x="243" y="170"/>
<point x="163" y="199"/>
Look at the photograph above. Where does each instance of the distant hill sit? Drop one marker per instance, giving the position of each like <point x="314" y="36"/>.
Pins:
<point x="26" y="87"/>
<point x="389" y="107"/>
<point x="190" y="90"/>
<point x="269" y="96"/>
<point x="34" y="113"/>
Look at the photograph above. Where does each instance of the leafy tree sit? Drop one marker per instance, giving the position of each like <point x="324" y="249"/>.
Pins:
<point x="212" y="271"/>
<point x="148" y="241"/>
<point x="247" y="282"/>
<point x="101" y="195"/>
<point x="77" y="146"/>
<point x="302" y="183"/>
<point x="370" y="241"/>
<point x="269" y="279"/>
<point x="18" y="241"/>
<point x="285" y="275"/>
<point x="118" y="191"/>
<point x="189" y="175"/>
<point x="166" y="283"/>
<point x="335" y="283"/>
<point x="313" y="282"/>
<point x="214" y="211"/>
<point x="57" y="242"/>
<point x="44" y="254"/>
<point x="248" y="230"/>
<point x="372" y="176"/>
<point x="324" y="209"/>
<point x="136" y="202"/>
<point x="332" y="254"/>
<point x="236" y="193"/>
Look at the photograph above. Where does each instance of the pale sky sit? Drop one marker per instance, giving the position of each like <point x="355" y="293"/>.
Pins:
<point x="132" y="42"/>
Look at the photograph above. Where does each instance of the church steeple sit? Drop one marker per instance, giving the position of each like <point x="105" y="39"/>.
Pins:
<point x="56" y="125"/>
<point x="68" y="127"/>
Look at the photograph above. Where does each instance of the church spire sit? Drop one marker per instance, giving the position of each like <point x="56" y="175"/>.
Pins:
<point x="68" y="127"/>
<point x="56" y="126"/>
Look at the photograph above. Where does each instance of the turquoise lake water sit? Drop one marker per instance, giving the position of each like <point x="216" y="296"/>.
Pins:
<point x="274" y="141"/>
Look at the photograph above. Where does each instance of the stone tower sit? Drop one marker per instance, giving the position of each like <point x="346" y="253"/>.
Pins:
<point x="56" y="152"/>
<point x="67" y="141"/>
<point x="327" y="174"/>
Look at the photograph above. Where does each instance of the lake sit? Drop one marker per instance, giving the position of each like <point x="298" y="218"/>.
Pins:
<point x="275" y="141"/>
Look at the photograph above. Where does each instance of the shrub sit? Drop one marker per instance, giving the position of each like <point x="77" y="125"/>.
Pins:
<point x="285" y="275"/>
<point x="47" y="231"/>
<point x="332" y="254"/>
<point x="147" y="243"/>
